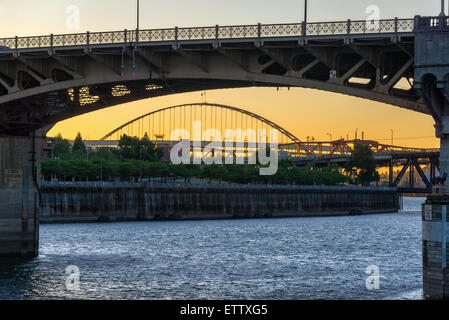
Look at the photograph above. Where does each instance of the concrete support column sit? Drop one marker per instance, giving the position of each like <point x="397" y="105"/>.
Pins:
<point x="435" y="229"/>
<point x="431" y="81"/>
<point x="19" y="198"/>
<point x="444" y="156"/>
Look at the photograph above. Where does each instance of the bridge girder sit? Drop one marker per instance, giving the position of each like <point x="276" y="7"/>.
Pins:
<point x="50" y="85"/>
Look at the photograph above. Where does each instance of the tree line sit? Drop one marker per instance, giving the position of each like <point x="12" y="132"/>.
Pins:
<point x="140" y="159"/>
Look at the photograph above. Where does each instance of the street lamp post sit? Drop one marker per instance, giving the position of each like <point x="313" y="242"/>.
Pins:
<point x="305" y="11"/>
<point x="138" y="21"/>
<point x="138" y="14"/>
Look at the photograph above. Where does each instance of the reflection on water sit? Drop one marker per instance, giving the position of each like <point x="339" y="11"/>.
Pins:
<point x="308" y="258"/>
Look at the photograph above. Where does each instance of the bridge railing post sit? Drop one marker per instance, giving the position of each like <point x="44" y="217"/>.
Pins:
<point x="16" y="43"/>
<point x="137" y="35"/>
<point x="348" y="27"/>
<point x="442" y="21"/>
<point x="416" y="22"/>
<point x="87" y="38"/>
<point x="304" y="28"/>
<point x="125" y="35"/>
<point x="217" y="34"/>
<point x="396" y="25"/>
<point x="259" y="31"/>
<point x="176" y="36"/>
<point x="51" y="42"/>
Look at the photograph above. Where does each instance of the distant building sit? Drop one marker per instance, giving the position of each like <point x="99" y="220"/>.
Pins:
<point x="47" y="149"/>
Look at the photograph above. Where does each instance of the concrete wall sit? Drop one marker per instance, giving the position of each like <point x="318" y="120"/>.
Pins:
<point x="435" y="235"/>
<point x="70" y="202"/>
<point x="18" y="197"/>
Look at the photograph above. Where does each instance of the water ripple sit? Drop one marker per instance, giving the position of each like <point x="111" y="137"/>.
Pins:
<point x="310" y="258"/>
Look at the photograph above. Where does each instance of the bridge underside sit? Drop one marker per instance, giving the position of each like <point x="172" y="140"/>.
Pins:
<point x="38" y="88"/>
<point x="21" y="117"/>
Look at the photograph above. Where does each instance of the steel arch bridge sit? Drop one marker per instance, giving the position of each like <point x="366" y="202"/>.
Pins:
<point x="159" y="124"/>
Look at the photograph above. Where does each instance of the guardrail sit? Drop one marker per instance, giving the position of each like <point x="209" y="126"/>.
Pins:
<point x="409" y="150"/>
<point x="171" y="185"/>
<point x="347" y="27"/>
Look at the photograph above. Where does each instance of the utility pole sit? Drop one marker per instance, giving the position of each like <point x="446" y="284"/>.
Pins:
<point x="101" y="164"/>
<point x="138" y="13"/>
<point x="138" y="21"/>
<point x="140" y="165"/>
<point x="305" y="11"/>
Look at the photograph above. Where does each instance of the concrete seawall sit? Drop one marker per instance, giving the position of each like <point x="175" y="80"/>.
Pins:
<point x="84" y="202"/>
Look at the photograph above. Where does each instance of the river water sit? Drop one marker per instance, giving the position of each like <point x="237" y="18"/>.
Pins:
<point x="303" y="258"/>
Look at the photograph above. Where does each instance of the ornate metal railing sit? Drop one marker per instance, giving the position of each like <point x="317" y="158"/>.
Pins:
<point x="430" y="24"/>
<point x="155" y="35"/>
<point x="214" y="33"/>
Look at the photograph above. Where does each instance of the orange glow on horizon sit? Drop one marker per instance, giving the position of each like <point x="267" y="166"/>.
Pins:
<point x="304" y="112"/>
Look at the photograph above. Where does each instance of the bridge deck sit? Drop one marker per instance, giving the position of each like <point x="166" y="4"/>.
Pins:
<point x="206" y="35"/>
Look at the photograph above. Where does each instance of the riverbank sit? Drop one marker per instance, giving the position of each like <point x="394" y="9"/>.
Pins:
<point x="168" y="217"/>
<point x="108" y="202"/>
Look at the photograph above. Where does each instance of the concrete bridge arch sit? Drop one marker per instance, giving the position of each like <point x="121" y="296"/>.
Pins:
<point x="51" y="78"/>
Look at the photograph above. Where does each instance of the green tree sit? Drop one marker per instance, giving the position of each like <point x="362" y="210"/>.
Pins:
<point x="61" y="148"/>
<point x="128" y="169"/>
<point x="79" y="148"/>
<point x="186" y="171"/>
<point x="158" y="169"/>
<point x="362" y="165"/>
<point x="215" y="172"/>
<point x="51" y="167"/>
<point x="135" y="148"/>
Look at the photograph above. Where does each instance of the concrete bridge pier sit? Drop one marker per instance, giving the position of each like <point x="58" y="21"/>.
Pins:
<point x="444" y="155"/>
<point x="432" y="82"/>
<point x="435" y="233"/>
<point x="435" y="229"/>
<point x="19" y="196"/>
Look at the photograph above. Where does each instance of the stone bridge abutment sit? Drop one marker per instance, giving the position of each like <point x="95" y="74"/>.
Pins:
<point x="19" y="195"/>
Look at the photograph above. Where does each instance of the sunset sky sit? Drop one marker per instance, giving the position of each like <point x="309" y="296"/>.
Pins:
<point x="304" y="112"/>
